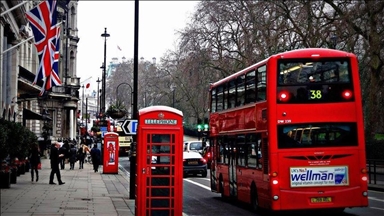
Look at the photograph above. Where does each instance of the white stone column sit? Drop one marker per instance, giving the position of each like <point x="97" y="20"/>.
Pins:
<point x="72" y="127"/>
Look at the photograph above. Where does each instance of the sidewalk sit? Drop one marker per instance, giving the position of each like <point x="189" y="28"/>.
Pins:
<point x="84" y="193"/>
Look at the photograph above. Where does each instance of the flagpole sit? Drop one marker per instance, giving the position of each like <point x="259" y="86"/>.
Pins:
<point x="11" y="48"/>
<point x="11" y="9"/>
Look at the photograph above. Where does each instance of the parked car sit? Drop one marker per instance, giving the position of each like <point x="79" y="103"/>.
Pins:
<point x="194" y="163"/>
<point x="196" y="146"/>
<point x="207" y="155"/>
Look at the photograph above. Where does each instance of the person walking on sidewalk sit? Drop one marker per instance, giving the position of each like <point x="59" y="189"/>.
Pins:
<point x="72" y="157"/>
<point x="55" y="163"/>
<point x="95" y="154"/>
<point x="34" y="160"/>
<point x="62" y="150"/>
<point x="81" y="156"/>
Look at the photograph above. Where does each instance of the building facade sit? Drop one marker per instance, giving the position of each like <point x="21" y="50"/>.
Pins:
<point x="55" y="111"/>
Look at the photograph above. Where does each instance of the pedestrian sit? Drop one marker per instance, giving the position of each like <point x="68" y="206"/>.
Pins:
<point x="96" y="155"/>
<point x="63" y="151"/>
<point x="72" y="157"/>
<point x="55" y="163"/>
<point x="34" y="160"/>
<point x="81" y="156"/>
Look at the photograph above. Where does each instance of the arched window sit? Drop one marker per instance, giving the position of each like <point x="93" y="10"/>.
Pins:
<point x="73" y="17"/>
<point x="72" y="63"/>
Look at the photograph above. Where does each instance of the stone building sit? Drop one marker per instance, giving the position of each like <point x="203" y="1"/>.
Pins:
<point x="55" y="111"/>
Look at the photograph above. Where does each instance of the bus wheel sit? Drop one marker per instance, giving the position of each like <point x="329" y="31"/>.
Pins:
<point x="254" y="199"/>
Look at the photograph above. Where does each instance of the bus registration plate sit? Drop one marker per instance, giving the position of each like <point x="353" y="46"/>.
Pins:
<point x="321" y="199"/>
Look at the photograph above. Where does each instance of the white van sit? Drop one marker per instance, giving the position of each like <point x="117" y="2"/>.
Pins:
<point x="196" y="146"/>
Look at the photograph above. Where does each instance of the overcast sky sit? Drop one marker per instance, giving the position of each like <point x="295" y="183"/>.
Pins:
<point x="158" y="23"/>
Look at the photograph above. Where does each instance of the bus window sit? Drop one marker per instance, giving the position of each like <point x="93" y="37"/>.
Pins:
<point x="261" y="83"/>
<point x="254" y="150"/>
<point x="317" y="135"/>
<point x="213" y="101"/>
<point x="241" y="150"/>
<point x="232" y="94"/>
<point x="220" y="156"/>
<point x="250" y="87"/>
<point x="308" y="81"/>
<point x="225" y="103"/>
<point x="240" y="90"/>
<point x="252" y="155"/>
<point x="220" y="98"/>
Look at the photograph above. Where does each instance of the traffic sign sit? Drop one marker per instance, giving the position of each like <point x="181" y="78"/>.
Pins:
<point x="130" y="126"/>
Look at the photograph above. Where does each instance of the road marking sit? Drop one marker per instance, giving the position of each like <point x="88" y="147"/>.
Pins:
<point x="377" y="208"/>
<point x="198" y="184"/>
<point x="372" y="198"/>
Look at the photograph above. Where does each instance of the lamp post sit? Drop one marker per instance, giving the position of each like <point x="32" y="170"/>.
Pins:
<point x="82" y="105"/>
<point x="333" y="41"/>
<point x="117" y="92"/>
<point x="132" y="160"/>
<point x="98" y="97"/>
<point x="103" y="86"/>
<point x="173" y="88"/>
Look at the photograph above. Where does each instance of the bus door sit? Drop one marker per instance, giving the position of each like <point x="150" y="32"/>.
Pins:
<point x="213" y="177"/>
<point x="232" y="167"/>
<point x="263" y="157"/>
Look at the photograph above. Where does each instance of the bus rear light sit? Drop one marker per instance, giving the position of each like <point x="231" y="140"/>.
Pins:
<point x="364" y="178"/>
<point x="274" y="174"/>
<point x="347" y="94"/>
<point x="275" y="182"/>
<point x="365" y="193"/>
<point x="283" y="96"/>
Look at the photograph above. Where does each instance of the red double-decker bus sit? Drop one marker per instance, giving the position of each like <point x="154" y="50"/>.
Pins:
<point x="288" y="134"/>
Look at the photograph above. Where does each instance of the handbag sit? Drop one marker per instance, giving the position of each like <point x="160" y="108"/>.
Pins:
<point x="39" y="166"/>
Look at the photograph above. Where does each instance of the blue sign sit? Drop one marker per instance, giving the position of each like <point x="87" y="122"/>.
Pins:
<point x="130" y="127"/>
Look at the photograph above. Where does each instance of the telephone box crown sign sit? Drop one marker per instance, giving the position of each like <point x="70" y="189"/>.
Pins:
<point x="161" y="115"/>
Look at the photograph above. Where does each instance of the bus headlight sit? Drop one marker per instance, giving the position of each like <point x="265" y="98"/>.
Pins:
<point x="275" y="197"/>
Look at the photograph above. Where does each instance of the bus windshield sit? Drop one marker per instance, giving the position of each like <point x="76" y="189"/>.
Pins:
<point x="308" y="81"/>
<point x="317" y="135"/>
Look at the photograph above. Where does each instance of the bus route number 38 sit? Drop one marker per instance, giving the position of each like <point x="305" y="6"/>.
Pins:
<point x="315" y="94"/>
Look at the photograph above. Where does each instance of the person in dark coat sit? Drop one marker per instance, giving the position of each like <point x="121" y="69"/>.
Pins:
<point x="81" y="156"/>
<point x="55" y="163"/>
<point x="63" y="151"/>
<point x="72" y="157"/>
<point x="34" y="160"/>
<point x="96" y="156"/>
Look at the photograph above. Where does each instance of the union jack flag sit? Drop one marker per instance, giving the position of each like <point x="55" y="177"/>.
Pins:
<point x="46" y="31"/>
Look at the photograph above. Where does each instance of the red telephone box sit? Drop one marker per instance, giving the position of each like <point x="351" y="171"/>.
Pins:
<point x="159" y="179"/>
<point x="111" y="153"/>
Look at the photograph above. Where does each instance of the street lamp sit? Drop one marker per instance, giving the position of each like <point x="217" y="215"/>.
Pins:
<point x="98" y="97"/>
<point x="105" y="35"/>
<point x="82" y="104"/>
<point x="333" y="41"/>
<point x="117" y="92"/>
<point x="173" y="88"/>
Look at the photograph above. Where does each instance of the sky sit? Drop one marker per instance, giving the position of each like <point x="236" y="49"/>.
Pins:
<point x="158" y="23"/>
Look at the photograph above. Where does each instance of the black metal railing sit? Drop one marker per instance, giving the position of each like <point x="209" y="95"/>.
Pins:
<point x="375" y="169"/>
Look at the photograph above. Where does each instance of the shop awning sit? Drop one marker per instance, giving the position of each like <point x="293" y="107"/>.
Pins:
<point x="29" y="114"/>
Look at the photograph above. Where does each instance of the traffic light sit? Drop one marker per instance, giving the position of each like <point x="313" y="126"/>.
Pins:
<point x="199" y="127"/>
<point x="205" y="127"/>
